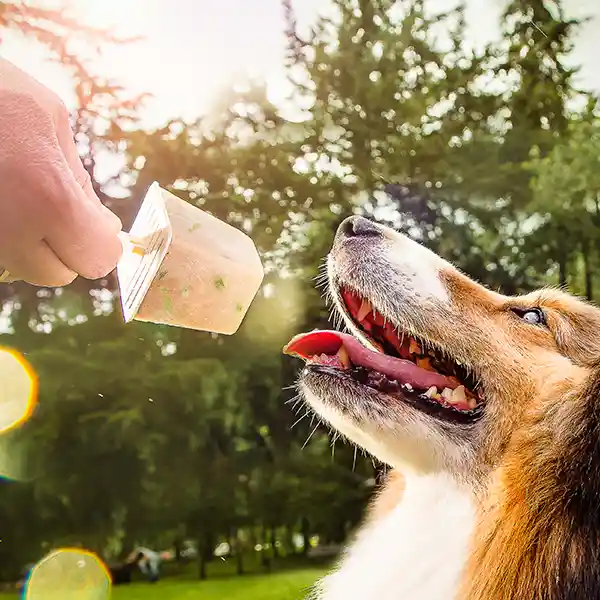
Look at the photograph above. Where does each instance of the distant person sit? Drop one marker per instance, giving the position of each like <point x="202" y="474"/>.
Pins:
<point x="148" y="562"/>
<point x="53" y="226"/>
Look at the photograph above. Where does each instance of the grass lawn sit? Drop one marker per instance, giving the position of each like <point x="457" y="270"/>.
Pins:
<point x="289" y="585"/>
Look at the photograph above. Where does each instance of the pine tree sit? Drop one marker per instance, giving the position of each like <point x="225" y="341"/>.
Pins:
<point x="538" y="40"/>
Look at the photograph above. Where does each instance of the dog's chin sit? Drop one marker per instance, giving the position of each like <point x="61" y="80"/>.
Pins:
<point x="392" y="429"/>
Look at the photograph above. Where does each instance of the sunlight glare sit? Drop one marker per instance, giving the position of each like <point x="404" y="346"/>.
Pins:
<point x="18" y="392"/>
<point x="69" y="574"/>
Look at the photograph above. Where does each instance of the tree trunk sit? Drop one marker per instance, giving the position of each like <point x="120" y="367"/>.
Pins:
<point x="562" y="271"/>
<point x="202" y="574"/>
<point x="236" y="550"/>
<point x="305" y="531"/>
<point x="209" y="546"/>
<point x="205" y="553"/>
<point x="275" y="552"/>
<point x="589" y="281"/>
<point x="177" y="545"/>
<point x="264" y="556"/>
<point x="289" y="540"/>
<point x="239" y="554"/>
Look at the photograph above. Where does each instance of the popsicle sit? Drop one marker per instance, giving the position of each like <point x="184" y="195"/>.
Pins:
<point x="183" y="267"/>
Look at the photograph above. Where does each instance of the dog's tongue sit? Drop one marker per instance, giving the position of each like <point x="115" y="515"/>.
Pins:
<point x="308" y="345"/>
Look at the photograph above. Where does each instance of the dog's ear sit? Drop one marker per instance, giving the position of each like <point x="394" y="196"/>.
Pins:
<point x="577" y="465"/>
<point x="578" y="474"/>
<point x="576" y="327"/>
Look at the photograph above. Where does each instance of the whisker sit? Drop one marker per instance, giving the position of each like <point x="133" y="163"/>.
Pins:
<point x="311" y="434"/>
<point x="299" y="420"/>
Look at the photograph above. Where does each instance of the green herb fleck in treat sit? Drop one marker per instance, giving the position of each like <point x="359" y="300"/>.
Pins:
<point x="185" y="292"/>
<point x="239" y="308"/>
<point x="161" y="274"/>
<point x="219" y="283"/>
<point x="195" y="226"/>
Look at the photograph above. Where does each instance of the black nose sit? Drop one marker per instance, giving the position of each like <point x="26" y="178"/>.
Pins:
<point x="358" y="227"/>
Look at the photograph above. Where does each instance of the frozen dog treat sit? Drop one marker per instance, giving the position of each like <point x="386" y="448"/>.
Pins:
<point x="186" y="268"/>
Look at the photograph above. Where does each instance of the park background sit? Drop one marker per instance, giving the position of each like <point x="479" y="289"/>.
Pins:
<point x="473" y="128"/>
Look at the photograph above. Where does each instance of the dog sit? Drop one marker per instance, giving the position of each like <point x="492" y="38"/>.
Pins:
<point x="487" y="410"/>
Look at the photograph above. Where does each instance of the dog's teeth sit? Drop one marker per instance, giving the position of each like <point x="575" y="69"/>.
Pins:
<point x="459" y="396"/>
<point x="414" y="348"/>
<point x="364" y="310"/>
<point x="408" y="387"/>
<point x="447" y="395"/>
<point x="424" y="363"/>
<point x="432" y="392"/>
<point x="342" y="354"/>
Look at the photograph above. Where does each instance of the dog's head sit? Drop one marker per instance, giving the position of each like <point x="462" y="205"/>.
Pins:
<point x="440" y="373"/>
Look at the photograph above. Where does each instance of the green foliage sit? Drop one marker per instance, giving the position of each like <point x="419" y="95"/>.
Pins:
<point x="152" y="434"/>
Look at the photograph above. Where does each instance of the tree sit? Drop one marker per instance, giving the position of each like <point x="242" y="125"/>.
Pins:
<point x="567" y="196"/>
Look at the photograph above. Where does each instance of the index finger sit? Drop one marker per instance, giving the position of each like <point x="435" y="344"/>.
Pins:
<point x="66" y="141"/>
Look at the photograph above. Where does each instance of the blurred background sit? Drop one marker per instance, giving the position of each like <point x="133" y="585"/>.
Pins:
<point x="474" y="128"/>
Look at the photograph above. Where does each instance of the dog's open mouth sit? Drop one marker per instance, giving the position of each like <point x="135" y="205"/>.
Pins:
<point x="404" y="367"/>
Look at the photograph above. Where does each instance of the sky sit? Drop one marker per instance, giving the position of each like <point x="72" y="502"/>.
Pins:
<point x="221" y="42"/>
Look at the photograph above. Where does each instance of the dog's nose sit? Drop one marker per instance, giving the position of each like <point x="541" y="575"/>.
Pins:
<point x="358" y="227"/>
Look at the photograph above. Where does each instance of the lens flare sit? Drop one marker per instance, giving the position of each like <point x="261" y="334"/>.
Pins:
<point x="69" y="574"/>
<point x="18" y="389"/>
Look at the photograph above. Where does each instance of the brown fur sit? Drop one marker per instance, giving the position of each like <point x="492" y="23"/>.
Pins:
<point x="388" y="496"/>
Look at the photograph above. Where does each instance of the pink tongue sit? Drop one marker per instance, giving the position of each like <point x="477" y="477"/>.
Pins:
<point x="315" y="343"/>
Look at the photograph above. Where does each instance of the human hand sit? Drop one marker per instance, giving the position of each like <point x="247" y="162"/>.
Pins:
<point x="53" y="227"/>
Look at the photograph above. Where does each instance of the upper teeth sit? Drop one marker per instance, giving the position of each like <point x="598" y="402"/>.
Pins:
<point x="342" y="354"/>
<point x="413" y="347"/>
<point x="364" y="310"/>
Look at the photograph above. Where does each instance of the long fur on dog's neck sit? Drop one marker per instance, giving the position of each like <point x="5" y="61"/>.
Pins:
<point x="540" y="533"/>
<point x="417" y="550"/>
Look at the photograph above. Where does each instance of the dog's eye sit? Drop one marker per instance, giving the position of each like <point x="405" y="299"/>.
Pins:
<point x="533" y="316"/>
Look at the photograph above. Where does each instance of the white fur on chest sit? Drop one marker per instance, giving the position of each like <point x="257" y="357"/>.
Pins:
<point x="417" y="552"/>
